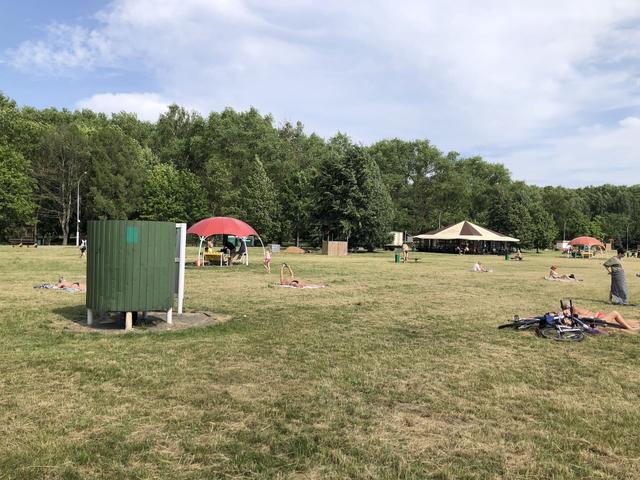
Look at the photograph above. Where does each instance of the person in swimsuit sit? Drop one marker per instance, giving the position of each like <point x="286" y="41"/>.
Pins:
<point x="478" y="267"/>
<point x="266" y="261"/>
<point x="553" y="273"/>
<point x="62" y="283"/>
<point x="611" y="317"/>
<point x="290" y="280"/>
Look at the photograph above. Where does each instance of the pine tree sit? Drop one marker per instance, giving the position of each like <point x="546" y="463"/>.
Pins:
<point x="258" y="205"/>
<point x="353" y="203"/>
<point x="375" y="208"/>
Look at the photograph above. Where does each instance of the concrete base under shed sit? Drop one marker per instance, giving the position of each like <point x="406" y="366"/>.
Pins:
<point x="114" y="323"/>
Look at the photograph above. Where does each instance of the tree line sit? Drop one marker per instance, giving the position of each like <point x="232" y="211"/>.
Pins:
<point x="290" y="186"/>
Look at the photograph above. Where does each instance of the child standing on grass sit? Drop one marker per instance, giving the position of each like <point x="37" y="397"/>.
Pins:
<point x="266" y="262"/>
<point x="405" y="252"/>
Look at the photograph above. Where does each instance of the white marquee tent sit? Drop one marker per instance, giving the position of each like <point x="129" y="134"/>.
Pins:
<point x="465" y="233"/>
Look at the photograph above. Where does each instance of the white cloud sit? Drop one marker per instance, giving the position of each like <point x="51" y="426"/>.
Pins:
<point x="470" y="76"/>
<point x="148" y="106"/>
<point x="591" y="156"/>
<point x="66" y="47"/>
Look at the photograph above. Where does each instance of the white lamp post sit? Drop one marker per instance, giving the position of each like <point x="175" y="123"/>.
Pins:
<point x="627" y="237"/>
<point x="78" y="211"/>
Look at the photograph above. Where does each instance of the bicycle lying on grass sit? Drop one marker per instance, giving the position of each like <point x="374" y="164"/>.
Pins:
<point x="561" y="327"/>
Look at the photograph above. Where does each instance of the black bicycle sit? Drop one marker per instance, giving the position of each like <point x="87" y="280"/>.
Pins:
<point x="565" y="327"/>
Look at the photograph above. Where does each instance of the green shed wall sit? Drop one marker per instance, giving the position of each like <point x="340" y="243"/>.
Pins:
<point x="130" y="265"/>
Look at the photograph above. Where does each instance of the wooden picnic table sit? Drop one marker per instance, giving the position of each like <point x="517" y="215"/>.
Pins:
<point x="218" y="258"/>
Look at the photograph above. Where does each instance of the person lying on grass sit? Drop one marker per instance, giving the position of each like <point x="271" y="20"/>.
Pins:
<point x="62" y="283"/>
<point x="289" y="280"/>
<point x="611" y="317"/>
<point x="555" y="275"/>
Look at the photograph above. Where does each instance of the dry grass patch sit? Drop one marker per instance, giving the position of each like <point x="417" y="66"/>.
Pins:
<point x="393" y="371"/>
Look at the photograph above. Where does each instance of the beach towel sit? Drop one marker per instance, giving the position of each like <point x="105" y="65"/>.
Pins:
<point x="53" y="286"/>
<point x="571" y="280"/>
<point x="619" y="294"/>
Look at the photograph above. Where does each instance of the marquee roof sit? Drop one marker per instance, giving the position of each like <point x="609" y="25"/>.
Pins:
<point x="586" y="241"/>
<point x="466" y="231"/>
<point x="221" y="225"/>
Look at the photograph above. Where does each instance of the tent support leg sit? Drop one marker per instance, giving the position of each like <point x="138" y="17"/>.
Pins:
<point x="200" y="262"/>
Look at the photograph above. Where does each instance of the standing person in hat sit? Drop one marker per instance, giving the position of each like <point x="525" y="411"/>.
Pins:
<point x="619" y="293"/>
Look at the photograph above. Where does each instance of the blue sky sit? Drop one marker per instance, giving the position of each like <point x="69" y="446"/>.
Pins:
<point x="551" y="89"/>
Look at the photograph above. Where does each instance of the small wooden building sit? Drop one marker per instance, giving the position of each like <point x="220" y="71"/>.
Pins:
<point x="334" y="249"/>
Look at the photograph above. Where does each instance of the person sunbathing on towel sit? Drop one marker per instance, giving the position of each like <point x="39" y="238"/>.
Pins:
<point x="62" y="283"/>
<point x="555" y="275"/>
<point x="290" y="280"/>
<point x="478" y="267"/>
<point x="611" y="317"/>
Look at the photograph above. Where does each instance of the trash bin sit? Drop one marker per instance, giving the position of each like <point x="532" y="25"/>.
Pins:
<point x="397" y="257"/>
<point x="506" y="256"/>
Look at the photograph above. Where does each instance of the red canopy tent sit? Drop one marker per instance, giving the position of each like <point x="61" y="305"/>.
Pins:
<point x="586" y="242"/>
<point x="222" y="226"/>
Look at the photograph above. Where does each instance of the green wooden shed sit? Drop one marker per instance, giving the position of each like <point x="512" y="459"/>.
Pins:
<point x="130" y="267"/>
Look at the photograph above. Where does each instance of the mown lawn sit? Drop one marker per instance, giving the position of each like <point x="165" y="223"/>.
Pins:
<point x="394" y="371"/>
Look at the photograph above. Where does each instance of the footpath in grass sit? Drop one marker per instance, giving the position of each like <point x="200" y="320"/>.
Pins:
<point x="394" y="371"/>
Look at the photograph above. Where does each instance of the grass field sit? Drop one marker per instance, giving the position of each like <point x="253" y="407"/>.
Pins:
<point x="394" y="371"/>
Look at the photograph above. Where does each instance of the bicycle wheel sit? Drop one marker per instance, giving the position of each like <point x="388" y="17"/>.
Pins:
<point x="554" y="333"/>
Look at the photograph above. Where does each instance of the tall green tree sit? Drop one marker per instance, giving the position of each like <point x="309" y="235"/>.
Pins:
<point x="115" y="174"/>
<point x="172" y="195"/>
<point x="375" y="208"/>
<point x="337" y="194"/>
<point x="258" y="204"/>
<point x="296" y="205"/>
<point x="517" y="210"/>
<point x="62" y="161"/>
<point x="174" y="135"/>
<point x="352" y="202"/>
<point x="17" y="206"/>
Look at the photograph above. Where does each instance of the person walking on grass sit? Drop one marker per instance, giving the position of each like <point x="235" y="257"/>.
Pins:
<point x="405" y="252"/>
<point x="266" y="261"/>
<point x="618" y="294"/>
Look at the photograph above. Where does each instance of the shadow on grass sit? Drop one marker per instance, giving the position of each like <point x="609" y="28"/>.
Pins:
<point x="111" y="321"/>
<point x="151" y="322"/>
<point x="607" y="305"/>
